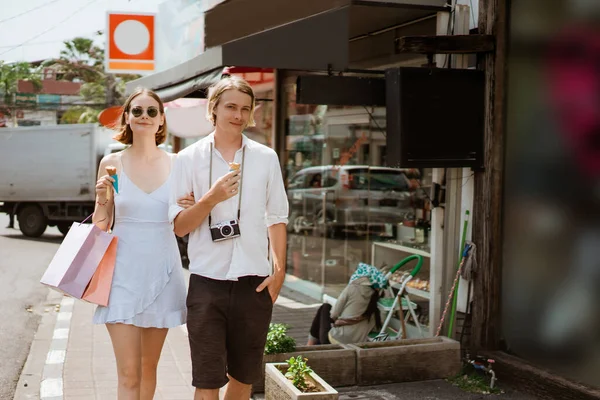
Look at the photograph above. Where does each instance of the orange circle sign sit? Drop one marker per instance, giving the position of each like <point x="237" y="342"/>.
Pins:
<point x="119" y="26"/>
<point x="130" y="46"/>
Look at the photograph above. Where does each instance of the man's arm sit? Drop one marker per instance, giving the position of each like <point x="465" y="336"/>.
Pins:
<point x="277" y="214"/>
<point x="182" y="185"/>
<point x="186" y="220"/>
<point x="278" y="239"/>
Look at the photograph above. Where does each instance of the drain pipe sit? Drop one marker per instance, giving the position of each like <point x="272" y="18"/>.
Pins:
<point x="493" y="379"/>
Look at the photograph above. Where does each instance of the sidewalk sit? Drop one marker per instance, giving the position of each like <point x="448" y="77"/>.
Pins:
<point x="72" y="359"/>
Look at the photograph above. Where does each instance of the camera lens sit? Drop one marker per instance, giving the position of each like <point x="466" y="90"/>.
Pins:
<point x="226" y="230"/>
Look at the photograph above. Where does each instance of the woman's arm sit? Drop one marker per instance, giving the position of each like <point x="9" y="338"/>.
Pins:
<point x="103" y="210"/>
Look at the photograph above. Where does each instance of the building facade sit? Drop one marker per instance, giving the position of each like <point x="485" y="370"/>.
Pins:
<point x="533" y="206"/>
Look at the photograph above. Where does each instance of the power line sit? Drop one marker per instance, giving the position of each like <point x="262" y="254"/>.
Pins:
<point x="14" y="46"/>
<point x="30" y="10"/>
<point x="48" y="41"/>
<point x="51" y="28"/>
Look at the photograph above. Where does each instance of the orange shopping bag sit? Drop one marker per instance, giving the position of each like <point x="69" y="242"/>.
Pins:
<point x="98" y="290"/>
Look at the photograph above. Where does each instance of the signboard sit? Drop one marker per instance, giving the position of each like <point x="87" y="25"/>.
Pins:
<point x="130" y="47"/>
<point x="180" y="32"/>
<point x="25" y="99"/>
<point x="48" y="101"/>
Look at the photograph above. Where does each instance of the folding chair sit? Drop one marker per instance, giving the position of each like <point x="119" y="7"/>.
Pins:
<point x="390" y="303"/>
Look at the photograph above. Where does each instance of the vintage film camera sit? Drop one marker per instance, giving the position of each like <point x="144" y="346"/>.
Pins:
<point x="225" y="230"/>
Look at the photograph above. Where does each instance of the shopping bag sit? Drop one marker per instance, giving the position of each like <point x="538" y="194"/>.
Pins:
<point x="77" y="258"/>
<point x="98" y="291"/>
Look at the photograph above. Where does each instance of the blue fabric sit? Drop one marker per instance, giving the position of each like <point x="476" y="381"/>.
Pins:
<point x="376" y="278"/>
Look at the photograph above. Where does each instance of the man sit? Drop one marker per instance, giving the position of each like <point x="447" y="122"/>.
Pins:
<point x="232" y="286"/>
<point x="11" y="221"/>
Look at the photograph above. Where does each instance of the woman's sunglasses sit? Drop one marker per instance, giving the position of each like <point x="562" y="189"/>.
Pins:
<point x="138" y="111"/>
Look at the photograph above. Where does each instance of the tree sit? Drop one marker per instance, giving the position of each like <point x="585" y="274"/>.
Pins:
<point x="83" y="51"/>
<point x="83" y="61"/>
<point x="11" y="74"/>
<point x="80" y="60"/>
<point x="80" y="115"/>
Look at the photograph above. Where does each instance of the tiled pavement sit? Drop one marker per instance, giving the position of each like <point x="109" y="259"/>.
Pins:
<point x="72" y="359"/>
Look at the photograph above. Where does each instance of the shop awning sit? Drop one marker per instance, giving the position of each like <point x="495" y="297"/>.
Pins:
<point x="315" y="44"/>
<point x="320" y="42"/>
<point x="235" y="19"/>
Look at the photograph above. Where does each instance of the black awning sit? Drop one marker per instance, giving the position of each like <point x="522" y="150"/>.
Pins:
<point x="320" y="42"/>
<point x="316" y="43"/>
<point x="235" y="19"/>
<point x="195" y="87"/>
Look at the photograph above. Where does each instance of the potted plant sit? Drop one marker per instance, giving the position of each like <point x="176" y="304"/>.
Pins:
<point x="334" y="363"/>
<point x="278" y="341"/>
<point x="296" y="380"/>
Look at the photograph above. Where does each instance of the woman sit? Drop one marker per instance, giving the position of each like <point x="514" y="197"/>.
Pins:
<point x="148" y="291"/>
<point x="355" y="313"/>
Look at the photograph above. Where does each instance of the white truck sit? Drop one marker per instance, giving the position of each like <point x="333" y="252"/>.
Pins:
<point x="48" y="174"/>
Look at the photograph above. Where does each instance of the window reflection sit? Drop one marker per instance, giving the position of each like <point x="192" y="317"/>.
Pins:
<point x="346" y="207"/>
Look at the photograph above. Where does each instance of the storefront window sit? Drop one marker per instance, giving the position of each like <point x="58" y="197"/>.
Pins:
<point x="346" y="207"/>
<point x="262" y="132"/>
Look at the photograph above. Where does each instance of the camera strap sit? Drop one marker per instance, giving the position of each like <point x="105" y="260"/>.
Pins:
<point x="241" y="179"/>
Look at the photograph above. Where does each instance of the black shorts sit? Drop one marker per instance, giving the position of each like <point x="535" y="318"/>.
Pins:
<point x="227" y="323"/>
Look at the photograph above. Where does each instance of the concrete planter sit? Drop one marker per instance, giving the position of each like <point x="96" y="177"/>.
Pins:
<point x="334" y="363"/>
<point x="406" y="360"/>
<point x="278" y="387"/>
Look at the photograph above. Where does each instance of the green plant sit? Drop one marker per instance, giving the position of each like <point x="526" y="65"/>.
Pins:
<point x="11" y="74"/>
<point x="278" y="341"/>
<point x="471" y="381"/>
<point x="297" y="372"/>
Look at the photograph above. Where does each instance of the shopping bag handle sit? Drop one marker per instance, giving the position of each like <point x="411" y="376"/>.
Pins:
<point x="88" y="217"/>
<point x="110" y="228"/>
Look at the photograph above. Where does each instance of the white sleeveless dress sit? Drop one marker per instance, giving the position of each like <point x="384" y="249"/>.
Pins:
<point x="148" y="288"/>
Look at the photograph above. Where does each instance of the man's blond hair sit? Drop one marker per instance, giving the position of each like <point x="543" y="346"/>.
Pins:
<point x="228" y="83"/>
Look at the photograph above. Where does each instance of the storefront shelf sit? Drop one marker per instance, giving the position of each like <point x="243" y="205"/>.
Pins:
<point x="399" y="247"/>
<point x="413" y="291"/>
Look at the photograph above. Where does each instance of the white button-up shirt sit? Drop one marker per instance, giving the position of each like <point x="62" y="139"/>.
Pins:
<point x="264" y="203"/>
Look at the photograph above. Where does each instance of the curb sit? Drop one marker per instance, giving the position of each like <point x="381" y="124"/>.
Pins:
<point x="52" y="379"/>
<point x="32" y="375"/>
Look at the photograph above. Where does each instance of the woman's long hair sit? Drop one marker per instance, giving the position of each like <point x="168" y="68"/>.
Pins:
<point x="372" y="309"/>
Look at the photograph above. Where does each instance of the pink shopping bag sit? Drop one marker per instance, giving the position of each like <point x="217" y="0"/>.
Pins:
<point x="98" y="291"/>
<point x="77" y="258"/>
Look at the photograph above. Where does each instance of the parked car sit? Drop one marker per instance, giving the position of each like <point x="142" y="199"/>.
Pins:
<point x="352" y="198"/>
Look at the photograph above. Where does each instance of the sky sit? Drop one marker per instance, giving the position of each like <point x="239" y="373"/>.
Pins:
<point x="32" y="30"/>
<point x="44" y="25"/>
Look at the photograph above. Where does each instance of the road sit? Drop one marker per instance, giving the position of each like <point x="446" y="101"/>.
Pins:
<point x="22" y="297"/>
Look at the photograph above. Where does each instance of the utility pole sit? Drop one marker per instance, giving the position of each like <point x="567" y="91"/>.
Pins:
<point x="110" y="86"/>
<point x="487" y="215"/>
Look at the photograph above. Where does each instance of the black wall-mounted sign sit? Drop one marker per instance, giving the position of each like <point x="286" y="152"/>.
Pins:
<point x="435" y="117"/>
<point x="340" y="90"/>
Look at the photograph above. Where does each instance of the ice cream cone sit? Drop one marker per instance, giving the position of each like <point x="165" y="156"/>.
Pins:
<point x="112" y="171"/>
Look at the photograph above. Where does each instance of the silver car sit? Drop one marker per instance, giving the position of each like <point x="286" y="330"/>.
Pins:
<point x="356" y="199"/>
